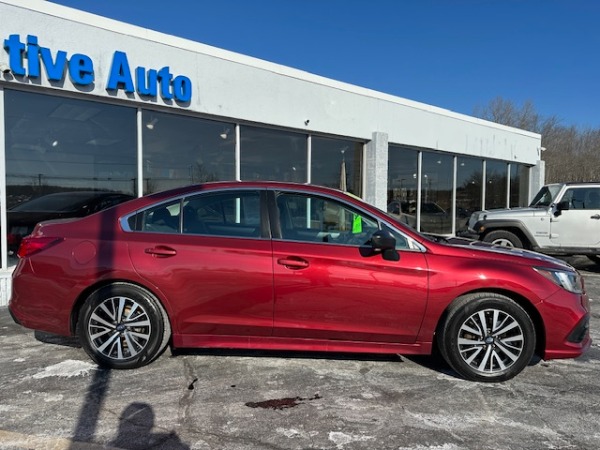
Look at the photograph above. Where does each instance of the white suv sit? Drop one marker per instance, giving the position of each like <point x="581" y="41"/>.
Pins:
<point x="563" y="219"/>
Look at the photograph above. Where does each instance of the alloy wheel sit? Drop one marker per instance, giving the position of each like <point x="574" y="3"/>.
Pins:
<point x="119" y="328"/>
<point x="490" y="341"/>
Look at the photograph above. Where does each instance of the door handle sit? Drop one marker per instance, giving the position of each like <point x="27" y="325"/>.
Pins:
<point x="595" y="216"/>
<point x="161" y="251"/>
<point x="293" y="263"/>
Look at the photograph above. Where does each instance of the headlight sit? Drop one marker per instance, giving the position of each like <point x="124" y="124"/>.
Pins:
<point x="566" y="279"/>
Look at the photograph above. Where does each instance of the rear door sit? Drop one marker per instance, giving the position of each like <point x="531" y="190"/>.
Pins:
<point x="330" y="285"/>
<point x="210" y="258"/>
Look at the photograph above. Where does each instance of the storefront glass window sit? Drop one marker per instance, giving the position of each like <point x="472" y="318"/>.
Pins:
<point x="272" y="155"/>
<point x="469" y="177"/>
<point x="58" y="144"/>
<point x="436" y="196"/>
<point x="402" y="183"/>
<point x="181" y="150"/>
<point x="519" y="185"/>
<point x="496" y="179"/>
<point x="337" y="163"/>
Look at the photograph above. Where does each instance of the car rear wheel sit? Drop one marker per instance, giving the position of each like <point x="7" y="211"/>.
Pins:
<point x="503" y="238"/>
<point x="487" y="337"/>
<point x="122" y="326"/>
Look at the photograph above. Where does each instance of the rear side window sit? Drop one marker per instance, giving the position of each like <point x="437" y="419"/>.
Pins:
<point x="233" y="214"/>
<point x="164" y="218"/>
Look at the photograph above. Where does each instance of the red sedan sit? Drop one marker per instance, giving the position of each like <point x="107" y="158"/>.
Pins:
<point x="267" y="265"/>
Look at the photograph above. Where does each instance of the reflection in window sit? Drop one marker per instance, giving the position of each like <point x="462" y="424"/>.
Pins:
<point x="496" y="179"/>
<point x="233" y="214"/>
<point x="337" y="163"/>
<point x="402" y="183"/>
<point x="316" y="219"/>
<point x="519" y="185"/>
<point x="58" y="144"/>
<point x="436" y="195"/>
<point x="469" y="176"/>
<point x="181" y="150"/>
<point x="273" y="155"/>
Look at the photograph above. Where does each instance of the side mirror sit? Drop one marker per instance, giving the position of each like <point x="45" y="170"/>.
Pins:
<point x="561" y="206"/>
<point x="385" y="242"/>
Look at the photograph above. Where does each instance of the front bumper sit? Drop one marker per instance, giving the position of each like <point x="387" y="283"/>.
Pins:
<point x="566" y="319"/>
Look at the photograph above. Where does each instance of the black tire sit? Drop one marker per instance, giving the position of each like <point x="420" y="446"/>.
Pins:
<point x="487" y="337"/>
<point x="503" y="238"/>
<point x="594" y="258"/>
<point x="122" y="326"/>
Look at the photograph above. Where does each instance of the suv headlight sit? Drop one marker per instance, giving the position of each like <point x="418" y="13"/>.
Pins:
<point x="566" y="279"/>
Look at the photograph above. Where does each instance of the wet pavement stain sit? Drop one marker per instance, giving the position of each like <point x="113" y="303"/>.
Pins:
<point x="191" y="385"/>
<point x="282" y="403"/>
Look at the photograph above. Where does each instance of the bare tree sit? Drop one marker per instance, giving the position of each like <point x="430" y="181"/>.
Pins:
<point x="571" y="154"/>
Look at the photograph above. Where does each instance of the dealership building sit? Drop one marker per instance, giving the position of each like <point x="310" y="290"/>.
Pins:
<point x="90" y="103"/>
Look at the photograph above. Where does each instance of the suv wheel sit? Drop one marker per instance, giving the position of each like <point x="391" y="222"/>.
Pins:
<point x="594" y="258"/>
<point x="503" y="238"/>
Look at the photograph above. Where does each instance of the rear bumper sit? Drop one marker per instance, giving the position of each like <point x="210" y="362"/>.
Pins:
<point x="13" y="316"/>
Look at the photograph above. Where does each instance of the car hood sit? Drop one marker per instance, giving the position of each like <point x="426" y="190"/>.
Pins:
<point x="487" y="250"/>
<point x="512" y="213"/>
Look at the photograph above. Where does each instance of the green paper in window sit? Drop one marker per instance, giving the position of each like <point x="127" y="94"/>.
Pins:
<point x="356" y="224"/>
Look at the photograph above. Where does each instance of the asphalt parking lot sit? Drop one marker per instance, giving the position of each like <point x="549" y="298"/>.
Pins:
<point x="53" y="397"/>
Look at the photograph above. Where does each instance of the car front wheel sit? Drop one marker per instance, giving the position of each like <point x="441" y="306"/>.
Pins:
<point x="122" y="326"/>
<point x="487" y="337"/>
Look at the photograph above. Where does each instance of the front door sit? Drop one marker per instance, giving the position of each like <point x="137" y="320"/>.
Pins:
<point x="579" y="226"/>
<point x="329" y="286"/>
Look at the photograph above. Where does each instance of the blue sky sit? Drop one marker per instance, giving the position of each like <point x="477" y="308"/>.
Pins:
<point x="455" y="54"/>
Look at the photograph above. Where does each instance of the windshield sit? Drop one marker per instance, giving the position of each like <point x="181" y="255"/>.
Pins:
<point x="545" y="197"/>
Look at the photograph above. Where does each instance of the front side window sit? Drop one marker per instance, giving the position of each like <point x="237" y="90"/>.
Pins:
<point x="319" y="219"/>
<point x="583" y="198"/>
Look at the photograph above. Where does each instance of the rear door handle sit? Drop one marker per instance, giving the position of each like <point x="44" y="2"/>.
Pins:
<point x="596" y="216"/>
<point x="293" y="263"/>
<point x="161" y="251"/>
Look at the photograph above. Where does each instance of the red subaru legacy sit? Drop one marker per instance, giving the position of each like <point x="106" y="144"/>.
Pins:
<point x="267" y="265"/>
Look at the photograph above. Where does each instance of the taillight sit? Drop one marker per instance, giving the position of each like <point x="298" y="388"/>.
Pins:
<point x="31" y="245"/>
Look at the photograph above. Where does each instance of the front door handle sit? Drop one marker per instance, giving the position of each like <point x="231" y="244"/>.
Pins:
<point x="595" y="216"/>
<point x="293" y="263"/>
<point x="161" y="251"/>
